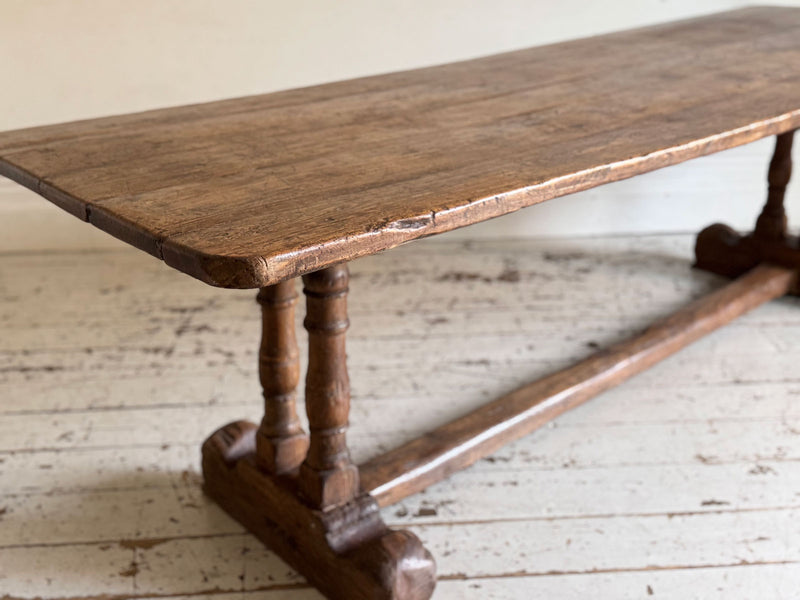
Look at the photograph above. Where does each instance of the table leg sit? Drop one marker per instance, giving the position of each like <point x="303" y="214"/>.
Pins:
<point x="771" y="223"/>
<point x="328" y="477"/>
<point x="316" y="517"/>
<point x="281" y="443"/>
<point x="722" y="250"/>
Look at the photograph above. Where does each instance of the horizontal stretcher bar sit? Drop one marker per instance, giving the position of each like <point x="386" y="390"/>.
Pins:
<point x="419" y="463"/>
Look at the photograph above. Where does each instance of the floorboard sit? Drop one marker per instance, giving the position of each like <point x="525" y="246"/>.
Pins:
<point x="682" y="483"/>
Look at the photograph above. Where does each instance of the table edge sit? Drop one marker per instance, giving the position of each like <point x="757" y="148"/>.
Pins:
<point x="244" y="272"/>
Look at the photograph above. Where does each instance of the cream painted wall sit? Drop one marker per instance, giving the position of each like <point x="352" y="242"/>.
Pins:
<point x="70" y="59"/>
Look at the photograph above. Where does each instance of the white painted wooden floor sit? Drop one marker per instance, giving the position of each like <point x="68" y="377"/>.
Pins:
<point x="682" y="483"/>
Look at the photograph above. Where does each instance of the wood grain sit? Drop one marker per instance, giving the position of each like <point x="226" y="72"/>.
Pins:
<point x="253" y="191"/>
<point x="280" y="440"/>
<point x="456" y="445"/>
<point x="328" y="476"/>
<point x="346" y="551"/>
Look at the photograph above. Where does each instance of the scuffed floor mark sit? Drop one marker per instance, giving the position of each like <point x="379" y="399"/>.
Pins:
<point x="143" y="544"/>
<point x="714" y="503"/>
<point x="131" y="571"/>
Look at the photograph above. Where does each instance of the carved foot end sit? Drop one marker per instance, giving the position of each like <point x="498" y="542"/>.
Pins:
<point x="721" y="250"/>
<point x="346" y="552"/>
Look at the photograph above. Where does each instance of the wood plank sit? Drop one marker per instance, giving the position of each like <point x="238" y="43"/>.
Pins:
<point x="248" y="192"/>
<point x="706" y="439"/>
<point x="745" y="581"/>
<point x="458" y="444"/>
<point x="467" y="551"/>
<point x="130" y="569"/>
<point x="679" y="198"/>
<point x="776" y="582"/>
<point x="663" y="542"/>
<point x="167" y="346"/>
<point x="746" y="441"/>
<point x="166" y="504"/>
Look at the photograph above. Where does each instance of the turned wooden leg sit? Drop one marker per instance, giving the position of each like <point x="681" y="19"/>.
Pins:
<point x="315" y="517"/>
<point x="281" y="443"/>
<point x="722" y="250"/>
<point x="771" y="223"/>
<point x="328" y="476"/>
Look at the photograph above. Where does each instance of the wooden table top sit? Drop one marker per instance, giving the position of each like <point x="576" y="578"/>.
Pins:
<point x="251" y="191"/>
